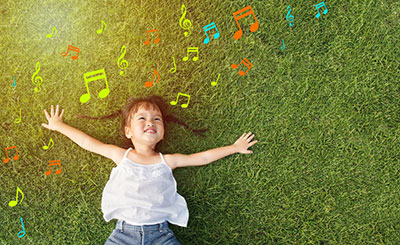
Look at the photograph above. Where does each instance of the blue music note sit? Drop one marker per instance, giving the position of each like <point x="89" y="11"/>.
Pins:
<point x="318" y="6"/>
<point x="207" y="28"/>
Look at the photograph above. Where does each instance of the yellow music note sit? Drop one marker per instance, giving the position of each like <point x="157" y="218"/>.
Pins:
<point x="18" y="120"/>
<point x="51" y="142"/>
<point x="177" y="98"/>
<point x="122" y="64"/>
<point x="38" y="79"/>
<point x="192" y="50"/>
<point x="215" y="83"/>
<point x="50" y="35"/>
<point x="103" y="27"/>
<point x="14" y="203"/>
<point x="93" y="76"/>
<point x="185" y="24"/>
<point x="172" y="70"/>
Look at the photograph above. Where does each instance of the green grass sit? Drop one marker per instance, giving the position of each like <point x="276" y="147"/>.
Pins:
<point x="325" y="112"/>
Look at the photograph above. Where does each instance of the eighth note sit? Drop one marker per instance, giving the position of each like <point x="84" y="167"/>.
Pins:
<point x="177" y="98"/>
<point x="51" y="144"/>
<point x="56" y="163"/>
<point x="244" y="62"/>
<point x="238" y="34"/>
<point x="103" y="27"/>
<point x="148" y="37"/>
<point x="93" y="76"/>
<point x="149" y="84"/>
<point x="8" y="158"/>
<point x="192" y="50"/>
<point x="318" y="6"/>
<point x="14" y="203"/>
<point x="215" y="83"/>
<point x="207" y="28"/>
<point x="50" y="35"/>
<point x="72" y="48"/>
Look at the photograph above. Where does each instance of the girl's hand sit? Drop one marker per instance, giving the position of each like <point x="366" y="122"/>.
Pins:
<point x="243" y="143"/>
<point x="54" y="120"/>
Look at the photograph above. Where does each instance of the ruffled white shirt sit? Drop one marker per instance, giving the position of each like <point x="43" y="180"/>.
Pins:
<point x="143" y="194"/>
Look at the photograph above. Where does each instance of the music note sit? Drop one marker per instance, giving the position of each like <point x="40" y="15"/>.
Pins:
<point x="50" y="35"/>
<point x="185" y="24"/>
<point x="244" y="62"/>
<point x="177" y="98"/>
<point x="20" y="235"/>
<point x="72" y="48"/>
<point x="207" y="28"/>
<point x="192" y="50"/>
<point x="103" y="27"/>
<point x="149" y="84"/>
<point x="51" y="144"/>
<point x="289" y="17"/>
<point x="54" y="163"/>
<point x="18" y="120"/>
<point x="38" y="79"/>
<point x="238" y="34"/>
<point x="283" y="47"/>
<point x="97" y="75"/>
<point x="14" y="83"/>
<point x="318" y="6"/>
<point x="14" y="203"/>
<point x="8" y="158"/>
<point x="215" y="83"/>
<point x="172" y="70"/>
<point x="122" y="64"/>
<point x="148" y="37"/>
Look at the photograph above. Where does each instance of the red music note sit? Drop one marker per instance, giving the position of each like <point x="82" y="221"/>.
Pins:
<point x="253" y="26"/>
<point x="148" y="37"/>
<point x="56" y="162"/>
<point x="8" y="158"/>
<point x="72" y="48"/>
<point x="244" y="62"/>
<point x="149" y="84"/>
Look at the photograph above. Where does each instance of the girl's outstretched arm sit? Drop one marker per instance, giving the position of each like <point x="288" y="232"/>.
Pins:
<point x="202" y="158"/>
<point x="85" y="141"/>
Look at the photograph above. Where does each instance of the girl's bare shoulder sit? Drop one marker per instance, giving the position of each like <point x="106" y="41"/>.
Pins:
<point x="170" y="160"/>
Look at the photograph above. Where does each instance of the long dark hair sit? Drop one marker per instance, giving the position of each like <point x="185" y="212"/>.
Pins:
<point x="152" y="102"/>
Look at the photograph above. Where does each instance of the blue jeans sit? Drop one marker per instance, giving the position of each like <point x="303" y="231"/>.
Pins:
<point x="158" y="234"/>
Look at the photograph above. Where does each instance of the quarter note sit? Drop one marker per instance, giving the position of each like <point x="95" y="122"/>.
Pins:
<point x="18" y="120"/>
<point x="177" y="98"/>
<point x="93" y="76"/>
<point x="207" y="28"/>
<point x="149" y="84"/>
<point x="37" y="81"/>
<point x="72" y="48"/>
<point x="54" y="163"/>
<point x="148" y="37"/>
<point x="215" y="83"/>
<point x="21" y="233"/>
<point x="318" y="6"/>
<point x="244" y="62"/>
<point x="192" y="50"/>
<point x="283" y="47"/>
<point x="8" y="158"/>
<point x="51" y="144"/>
<point x="122" y="64"/>
<point x="14" y="203"/>
<point x="238" y="34"/>
<point x="172" y="70"/>
<point x="103" y="27"/>
<point x="14" y="83"/>
<point x="185" y="24"/>
<point x="51" y="34"/>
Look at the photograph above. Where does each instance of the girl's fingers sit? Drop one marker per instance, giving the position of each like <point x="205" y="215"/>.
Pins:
<point x="252" y="143"/>
<point x="45" y="125"/>
<point x="47" y="114"/>
<point x="52" y="111"/>
<point x="250" y="138"/>
<point x="57" y="110"/>
<point x="62" y="113"/>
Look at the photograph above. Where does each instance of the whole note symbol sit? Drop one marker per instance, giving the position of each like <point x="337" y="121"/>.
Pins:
<point x="14" y="203"/>
<point x="185" y="24"/>
<point x="37" y="81"/>
<point x="103" y="27"/>
<point x="123" y="64"/>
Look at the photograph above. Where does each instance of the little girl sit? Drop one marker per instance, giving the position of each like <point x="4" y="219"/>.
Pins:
<point x="141" y="192"/>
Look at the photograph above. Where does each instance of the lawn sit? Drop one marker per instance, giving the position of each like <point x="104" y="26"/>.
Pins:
<point x="325" y="111"/>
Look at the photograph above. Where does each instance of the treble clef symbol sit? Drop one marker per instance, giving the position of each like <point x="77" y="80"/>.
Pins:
<point x="38" y="79"/>
<point x="186" y="23"/>
<point x="122" y="64"/>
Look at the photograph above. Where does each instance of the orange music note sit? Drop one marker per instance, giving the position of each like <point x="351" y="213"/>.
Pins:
<point x="89" y="77"/>
<point x="149" y="84"/>
<point x="148" y="37"/>
<point x="8" y="158"/>
<point x="14" y="203"/>
<point x="72" y="48"/>
<point x="177" y="98"/>
<point x="56" y="162"/>
<point x="244" y="62"/>
<point x="238" y="34"/>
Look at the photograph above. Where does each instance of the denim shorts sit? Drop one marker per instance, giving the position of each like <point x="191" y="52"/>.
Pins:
<point x="158" y="234"/>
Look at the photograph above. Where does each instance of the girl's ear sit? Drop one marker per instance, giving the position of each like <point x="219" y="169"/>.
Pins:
<point x="127" y="133"/>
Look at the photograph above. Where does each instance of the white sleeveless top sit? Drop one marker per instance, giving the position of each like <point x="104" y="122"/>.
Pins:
<point x="143" y="194"/>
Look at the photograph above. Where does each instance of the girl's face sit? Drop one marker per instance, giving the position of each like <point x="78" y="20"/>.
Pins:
<point x="146" y="127"/>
